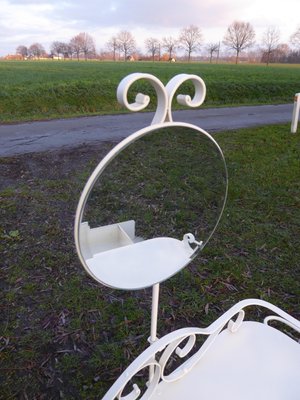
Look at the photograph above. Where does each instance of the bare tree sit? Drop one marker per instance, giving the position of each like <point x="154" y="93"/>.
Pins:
<point x="212" y="48"/>
<point x="270" y="42"/>
<point x="22" y="50"/>
<point x="36" y="50"/>
<point x="295" y="38"/>
<point x="127" y="43"/>
<point x="281" y="53"/>
<point x="87" y="45"/>
<point x="239" y="36"/>
<point x="83" y="43"/>
<point x="153" y="47"/>
<point x="114" y="46"/>
<point x="169" y="44"/>
<point x="66" y="50"/>
<point x="57" y="48"/>
<point x="190" y="39"/>
<point x="76" y="46"/>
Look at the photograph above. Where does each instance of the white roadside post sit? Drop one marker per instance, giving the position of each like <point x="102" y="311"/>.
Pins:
<point x="295" y="116"/>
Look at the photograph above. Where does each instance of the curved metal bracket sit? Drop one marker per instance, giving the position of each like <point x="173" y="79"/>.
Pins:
<point x="164" y="94"/>
<point x="142" y="100"/>
<point x="183" y="99"/>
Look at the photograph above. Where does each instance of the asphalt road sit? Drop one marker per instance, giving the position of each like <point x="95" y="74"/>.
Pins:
<point x="50" y="135"/>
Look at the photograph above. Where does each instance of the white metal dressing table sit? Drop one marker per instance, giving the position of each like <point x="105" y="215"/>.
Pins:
<point x="240" y="359"/>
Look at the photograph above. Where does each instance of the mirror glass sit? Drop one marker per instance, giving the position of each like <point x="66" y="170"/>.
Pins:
<point x="165" y="183"/>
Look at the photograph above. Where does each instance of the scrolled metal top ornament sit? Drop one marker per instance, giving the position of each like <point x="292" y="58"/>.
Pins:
<point x="165" y="94"/>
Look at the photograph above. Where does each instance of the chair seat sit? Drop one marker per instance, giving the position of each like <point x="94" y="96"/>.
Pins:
<point x="256" y="362"/>
<point x="239" y="360"/>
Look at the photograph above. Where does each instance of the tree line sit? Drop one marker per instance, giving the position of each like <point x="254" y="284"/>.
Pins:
<point x="238" y="37"/>
<point x="81" y="44"/>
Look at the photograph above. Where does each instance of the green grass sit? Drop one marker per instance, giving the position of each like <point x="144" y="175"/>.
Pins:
<point x="51" y="89"/>
<point x="64" y="336"/>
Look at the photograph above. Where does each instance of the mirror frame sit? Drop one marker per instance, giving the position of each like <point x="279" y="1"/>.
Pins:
<point x="113" y="154"/>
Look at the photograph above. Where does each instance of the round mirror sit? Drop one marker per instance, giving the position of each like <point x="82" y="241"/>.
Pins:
<point x="151" y="205"/>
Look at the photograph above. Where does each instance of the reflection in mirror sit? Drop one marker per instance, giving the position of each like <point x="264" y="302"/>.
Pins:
<point x="170" y="182"/>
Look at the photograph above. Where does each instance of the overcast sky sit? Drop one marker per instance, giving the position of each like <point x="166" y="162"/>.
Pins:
<point x="23" y="22"/>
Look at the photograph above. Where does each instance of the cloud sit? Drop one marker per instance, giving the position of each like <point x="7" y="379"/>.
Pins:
<point x="28" y="21"/>
<point x="155" y="13"/>
<point x="35" y="22"/>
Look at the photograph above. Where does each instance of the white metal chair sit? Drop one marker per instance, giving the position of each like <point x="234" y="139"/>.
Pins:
<point x="240" y="359"/>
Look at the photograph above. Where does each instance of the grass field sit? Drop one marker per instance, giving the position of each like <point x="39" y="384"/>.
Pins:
<point x="64" y="336"/>
<point x="51" y="89"/>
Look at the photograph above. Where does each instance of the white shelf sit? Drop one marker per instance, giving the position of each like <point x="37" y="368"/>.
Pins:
<point x="140" y="265"/>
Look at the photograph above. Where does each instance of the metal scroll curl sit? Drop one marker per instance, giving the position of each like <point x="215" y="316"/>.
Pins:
<point x="165" y="94"/>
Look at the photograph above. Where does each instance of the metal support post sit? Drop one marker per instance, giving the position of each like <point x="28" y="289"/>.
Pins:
<point x="153" y="330"/>
<point x="154" y="312"/>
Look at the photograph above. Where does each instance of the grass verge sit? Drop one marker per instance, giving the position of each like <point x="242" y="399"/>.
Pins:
<point x="55" y="89"/>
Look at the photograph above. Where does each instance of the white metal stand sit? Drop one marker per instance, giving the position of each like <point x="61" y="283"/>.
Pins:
<point x="240" y="359"/>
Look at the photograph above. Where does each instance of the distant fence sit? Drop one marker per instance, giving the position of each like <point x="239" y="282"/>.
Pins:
<point x="295" y="116"/>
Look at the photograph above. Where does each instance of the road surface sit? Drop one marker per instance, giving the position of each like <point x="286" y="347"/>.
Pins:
<point x="63" y="133"/>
